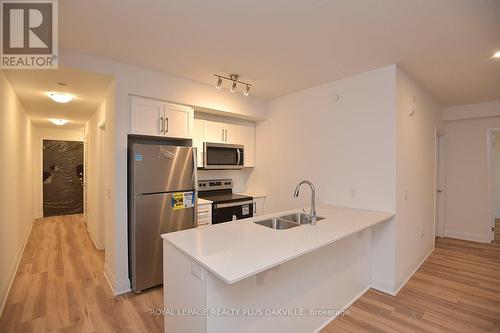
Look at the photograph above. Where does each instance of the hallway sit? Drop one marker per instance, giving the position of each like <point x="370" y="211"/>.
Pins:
<point x="59" y="286"/>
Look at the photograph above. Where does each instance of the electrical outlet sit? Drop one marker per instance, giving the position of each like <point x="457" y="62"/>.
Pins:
<point x="353" y="193"/>
<point x="421" y="234"/>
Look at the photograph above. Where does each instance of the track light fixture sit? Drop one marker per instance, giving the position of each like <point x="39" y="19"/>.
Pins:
<point x="234" y="78"/>
<point x="219" y="83"/>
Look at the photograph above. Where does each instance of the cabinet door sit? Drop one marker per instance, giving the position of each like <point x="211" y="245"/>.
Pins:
<point x="146" y="116"/>
<point x="179" y="121"/>
<point x="247" y="139"/>
<point x="232" y="133"/>
<point x="214" y="131"/>
<point x="198" y="140"/>
<point x="258" y="206"/>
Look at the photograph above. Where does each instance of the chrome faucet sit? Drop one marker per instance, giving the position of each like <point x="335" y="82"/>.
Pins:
<point x="312" y="214"/>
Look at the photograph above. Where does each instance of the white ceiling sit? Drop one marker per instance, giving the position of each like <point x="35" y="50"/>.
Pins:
<point x="284" y="46"/>
<point x="31" y="86"/>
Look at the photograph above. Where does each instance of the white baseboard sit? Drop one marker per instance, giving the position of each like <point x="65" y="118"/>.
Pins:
<point x="13" y="272"/>
<point x="403" y="279"/>
<point x="497" y="216"/>
<point x="383" y="287"/>
<point x="96" y="245"/>
<point x="466" y="236"/>
<point x="116" y="288"/>
<point x="329" y="320"/>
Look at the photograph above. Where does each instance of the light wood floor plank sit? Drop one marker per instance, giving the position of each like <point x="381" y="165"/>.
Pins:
<point x="60" y="287"/>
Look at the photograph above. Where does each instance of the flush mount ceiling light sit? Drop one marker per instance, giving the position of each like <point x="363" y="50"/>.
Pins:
<point x="234" y="78"/>
<point x="60" y="97"/>
<point x="58" y="122"/>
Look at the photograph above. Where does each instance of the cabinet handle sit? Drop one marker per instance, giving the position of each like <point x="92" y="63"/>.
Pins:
<point x="254" y="208"/>
<point x="162" y="124"/>
<point x="225" y="140"/>
<point x="222" y="135"/>
<point x="166" y="124"/>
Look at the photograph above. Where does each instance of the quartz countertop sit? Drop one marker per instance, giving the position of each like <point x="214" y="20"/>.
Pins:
<point x="239" y="249"/>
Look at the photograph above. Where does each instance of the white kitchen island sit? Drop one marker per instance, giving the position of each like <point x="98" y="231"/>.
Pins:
<point x="243" y="277"/>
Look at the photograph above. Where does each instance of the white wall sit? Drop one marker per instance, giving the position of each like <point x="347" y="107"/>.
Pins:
<point x="347" y="149"/>
<point x="139" y="81"/>
<point x="95" y="221"/>
<point x="415" y="175"/>
<point x="41" y="134"/>
<point x="16" y="183"/>
<point x="466" y="185"/>
<point x="497" y="176"/>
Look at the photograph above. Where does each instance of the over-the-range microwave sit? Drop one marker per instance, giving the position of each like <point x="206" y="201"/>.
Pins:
<point x="223" y="156"/>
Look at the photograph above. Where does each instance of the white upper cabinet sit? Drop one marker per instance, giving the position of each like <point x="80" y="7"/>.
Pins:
<point x="222" y="132"/>
<point x="153" y="117"/>
<point x="146" y="116"/>
<point x="179" y="121"/>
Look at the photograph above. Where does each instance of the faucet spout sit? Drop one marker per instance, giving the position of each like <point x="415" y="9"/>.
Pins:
<point x="312" y="213"/>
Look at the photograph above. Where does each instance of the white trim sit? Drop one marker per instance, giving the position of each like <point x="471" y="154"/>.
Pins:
<point x="497" y="216"/>
<point x="97" y="246"/>
<point x="490" y="179"/>
<point x="383" y="287"/>
<point x="14" y="273"/>
<point x="116" y="288"/>
<point x="329" y="320"/>
<point x="466" y="236"/>
<point x="405" y="280"/>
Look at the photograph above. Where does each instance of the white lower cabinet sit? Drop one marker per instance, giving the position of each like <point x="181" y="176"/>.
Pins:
<point x="258" y="206"/>
<point x="204" y="215"/>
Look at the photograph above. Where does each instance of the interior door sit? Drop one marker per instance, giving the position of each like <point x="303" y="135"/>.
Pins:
<point x="63" y="177"/>
<point x="154" y="215"/>
<point x="178" y="121"/>
<point x="146" y="116"/>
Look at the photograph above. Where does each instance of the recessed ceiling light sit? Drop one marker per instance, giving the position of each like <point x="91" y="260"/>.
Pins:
<point x="496" y="55"/>
<point x="58" y="122"/>
<point x="60" y="97"/>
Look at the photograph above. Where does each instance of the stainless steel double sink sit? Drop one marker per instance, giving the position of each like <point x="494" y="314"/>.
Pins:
<point x="287" y="221"/>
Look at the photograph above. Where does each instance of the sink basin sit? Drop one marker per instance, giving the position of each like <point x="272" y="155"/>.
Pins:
<point x="277" y="224"/>
<point x="300" y="218"/>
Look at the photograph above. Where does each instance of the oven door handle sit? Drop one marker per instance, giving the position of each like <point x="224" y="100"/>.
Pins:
<point x="232" y="204"/>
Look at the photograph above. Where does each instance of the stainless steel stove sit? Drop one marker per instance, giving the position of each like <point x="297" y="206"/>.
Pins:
<point x="226" y="206"/>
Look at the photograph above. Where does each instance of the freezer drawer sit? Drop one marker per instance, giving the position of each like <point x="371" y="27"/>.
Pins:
<point x="154" y="215"/>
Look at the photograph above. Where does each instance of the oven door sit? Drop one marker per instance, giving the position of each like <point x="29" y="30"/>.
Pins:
<point x="232" y="211"/>
<point x="223" y="156"/>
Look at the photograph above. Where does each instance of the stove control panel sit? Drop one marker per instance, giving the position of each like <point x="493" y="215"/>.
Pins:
<point x="215" y="184"/>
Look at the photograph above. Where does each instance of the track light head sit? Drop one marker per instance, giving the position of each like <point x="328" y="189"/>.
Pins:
<point x="247" y="90"/>
<point x="233" y="87"/>
<point x="219" y="83"/>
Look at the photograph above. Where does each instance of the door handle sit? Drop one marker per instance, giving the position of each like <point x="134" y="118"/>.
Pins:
<point x="166" y="124"/>
<point x="162" y="124"/>
<point x="439" y="191"/>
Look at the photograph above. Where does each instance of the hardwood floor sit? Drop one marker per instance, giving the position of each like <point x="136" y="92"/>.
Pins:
<point x="59" y="287"/>
<point x="457" y="289"/>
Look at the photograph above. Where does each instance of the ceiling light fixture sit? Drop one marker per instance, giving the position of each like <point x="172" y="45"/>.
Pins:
<point x="497" y="55"/>
<point x="58" y="122"/>
<point x="219" y="83"/>
<point x="60" y="97"/>
<point x="234" y="78"/>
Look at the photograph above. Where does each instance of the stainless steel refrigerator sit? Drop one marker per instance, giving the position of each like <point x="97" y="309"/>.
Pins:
<point x="162" y="198"/>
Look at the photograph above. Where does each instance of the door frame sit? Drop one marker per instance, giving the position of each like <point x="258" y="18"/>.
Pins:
<point x="41" y="138"/>
<point x="101" y="227"/>
<point x="490" y="179"/>
<point x="439" y="224"/>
